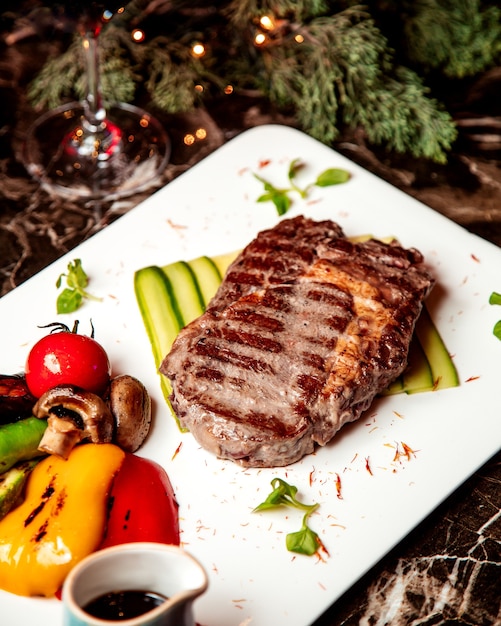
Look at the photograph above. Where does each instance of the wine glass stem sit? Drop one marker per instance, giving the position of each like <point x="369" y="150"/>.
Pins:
<point x="94" y="111"/>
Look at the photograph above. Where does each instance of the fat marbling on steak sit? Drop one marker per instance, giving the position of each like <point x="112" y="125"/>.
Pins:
<point x="306" y="328"/>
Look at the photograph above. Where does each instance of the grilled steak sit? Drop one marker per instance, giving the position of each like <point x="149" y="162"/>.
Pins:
<point x="306" y="328"/>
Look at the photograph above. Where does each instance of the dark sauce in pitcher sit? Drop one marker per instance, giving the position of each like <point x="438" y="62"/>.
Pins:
<point x="122" y="605"/>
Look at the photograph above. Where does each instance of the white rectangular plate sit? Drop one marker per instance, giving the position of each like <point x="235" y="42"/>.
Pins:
<point x="210" y="210"/>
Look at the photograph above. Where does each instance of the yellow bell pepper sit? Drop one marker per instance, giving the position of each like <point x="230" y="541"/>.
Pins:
<point x="61" y="520"/>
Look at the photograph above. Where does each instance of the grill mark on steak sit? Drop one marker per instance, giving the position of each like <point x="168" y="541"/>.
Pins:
<point x="252" y="339"/>
<point x="217" y="351"/>
<point x="250" y="316"/>
<point x="282" y="359"/>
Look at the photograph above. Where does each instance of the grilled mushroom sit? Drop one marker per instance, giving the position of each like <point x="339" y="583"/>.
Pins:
<point x="130" y="405"/>
<point x="73" y="415"/>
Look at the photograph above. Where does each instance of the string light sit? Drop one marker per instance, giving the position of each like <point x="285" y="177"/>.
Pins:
<point x="228" y="89"/>
<point x="198" y="50"/>
<point x="137" y="35"/>
<point x="267" y="22"/>
<point x="272" y="31"/>
<point x="200" y="134"/>
<point x="108" y="14"/>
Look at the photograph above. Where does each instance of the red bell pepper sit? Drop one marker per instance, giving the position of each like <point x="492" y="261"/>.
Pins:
<point x="142" y="505"/>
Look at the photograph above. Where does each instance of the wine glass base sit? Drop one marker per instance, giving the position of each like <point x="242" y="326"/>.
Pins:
<point x="125" y="157"/>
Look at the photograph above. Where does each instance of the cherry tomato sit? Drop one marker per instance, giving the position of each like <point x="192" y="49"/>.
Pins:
<point x="66" y="358"/>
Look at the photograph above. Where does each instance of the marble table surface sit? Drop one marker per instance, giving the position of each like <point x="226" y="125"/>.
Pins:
<point x="448" y="570"/>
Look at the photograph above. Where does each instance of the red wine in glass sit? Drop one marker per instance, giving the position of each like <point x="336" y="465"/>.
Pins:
<point x="88" y="149"/>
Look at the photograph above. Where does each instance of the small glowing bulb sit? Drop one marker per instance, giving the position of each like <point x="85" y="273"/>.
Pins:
<point x="201" y="133"/>
<point x="228" y="89"/>
<point x="199" y="88"/>
<point x="299" y="38"/>
<point x="189" y="139"/>
<point x="137" y="35"/>
<point x="260" y="39"/>
<point x="267" y="23"/>
<point x="198" y="50"/>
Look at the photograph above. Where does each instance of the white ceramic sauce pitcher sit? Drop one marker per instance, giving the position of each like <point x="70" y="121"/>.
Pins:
<point x="166" y="570"/>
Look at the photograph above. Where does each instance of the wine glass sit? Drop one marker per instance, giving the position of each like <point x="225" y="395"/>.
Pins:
<point x="89" y="150"/>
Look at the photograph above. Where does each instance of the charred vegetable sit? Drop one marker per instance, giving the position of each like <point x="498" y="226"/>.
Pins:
<point x="12" y="485"/>
<point x="60" y="521"/>
<point x="73" y="415"/>
<point x="16" y="400"/>
<point x="142" y="505"/>
<point x="130" y="405"/>
<point x="100" y="496"/>
<point x="19" y="441"/>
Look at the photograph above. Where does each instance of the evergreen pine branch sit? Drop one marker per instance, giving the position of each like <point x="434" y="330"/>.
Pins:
<point x="57" y="78"/>
<point x="241" y="12"/>
<point x="343" y="74"/>
<point x="341" y="71"/>
<point x="120" y="73"/>
<point x="400" y="115"/>
<point x="458" y="38"/>
<point x="171" y="76"/>
<point x="63" y="77"/>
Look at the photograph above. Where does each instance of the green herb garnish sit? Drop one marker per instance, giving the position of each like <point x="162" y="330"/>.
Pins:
<point x="495" y="298"/>
<point x="72" y="296"/>
<point x="280" y="196"/>
<point x="305" y="540"/>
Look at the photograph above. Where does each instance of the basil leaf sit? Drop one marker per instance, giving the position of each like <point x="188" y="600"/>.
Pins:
<point x="304" y="541"/>
<point x="265" y="197"/>
<point x="295" y="166"/>
<point x="71" y="298"/>
<point x="497" y="330"/>
<point x="282" y="202"/>
<point x="68" y="301"/>
<point x="282" y="494"/>
<point x="495" y="298"/>
<point x="332" y="176"/>
<point x="280" y="197"/>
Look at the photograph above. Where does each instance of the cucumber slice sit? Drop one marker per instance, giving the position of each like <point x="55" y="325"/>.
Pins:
<point x="207" y="276"/>
<point x="417" y="376"/>
<point x="397" y="386"/>
<point x="430" y="366"/>
<point x="223" y="261"/>
<point x="443" y="370"/>
<point x="12" y="484"/>
<point x="156" y="303"/>
<point x="160" y="318"/>
<point x="187" y="300"/>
